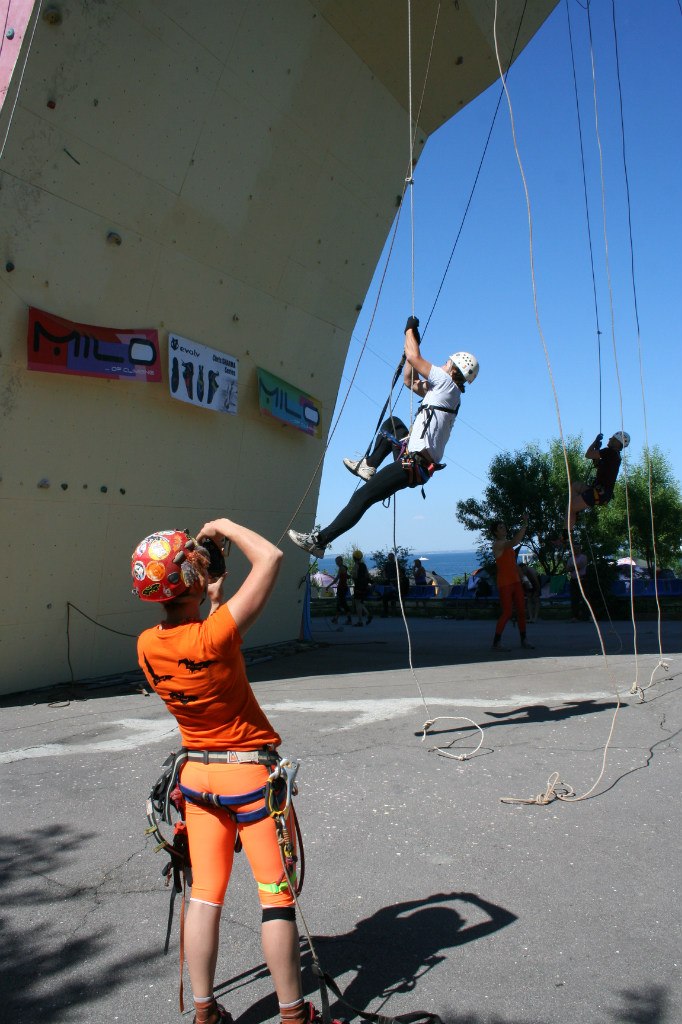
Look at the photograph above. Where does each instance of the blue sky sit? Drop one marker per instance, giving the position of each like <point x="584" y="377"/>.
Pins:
<point x="486" y="304"/>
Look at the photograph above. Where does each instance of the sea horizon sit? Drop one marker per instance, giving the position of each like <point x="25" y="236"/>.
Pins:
<point x="446" y="562"/>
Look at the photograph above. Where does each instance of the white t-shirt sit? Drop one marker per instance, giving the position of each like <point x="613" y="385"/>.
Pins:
<point x="443" y="392"/>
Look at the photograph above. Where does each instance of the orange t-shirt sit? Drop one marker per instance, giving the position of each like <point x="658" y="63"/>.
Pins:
<point x="507" y="569"/>
<point x="198" y="670"/>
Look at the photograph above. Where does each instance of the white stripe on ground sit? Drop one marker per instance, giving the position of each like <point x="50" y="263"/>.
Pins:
<point x="365" y="712"/>
<point x="143" y="732"/>
<point x="138" y="732"/>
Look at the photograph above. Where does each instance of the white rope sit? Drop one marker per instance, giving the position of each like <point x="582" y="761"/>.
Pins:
<point x="443" y="751"/>
<point x="662" y="663"/>
<point x="409" y="180"/>
<point x="364" y="345"/>
<point x="612" y="318"/>
<point x="36" y="16"/>
<point x="569" y="792"/>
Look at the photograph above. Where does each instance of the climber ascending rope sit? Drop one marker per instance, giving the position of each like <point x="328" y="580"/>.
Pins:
<point x="607" y="463"/>
<point x="417" y="455"/>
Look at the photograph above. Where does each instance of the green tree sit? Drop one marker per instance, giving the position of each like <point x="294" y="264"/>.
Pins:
<point x="666" y="505"/>
<point x="530" y="480"/>
<point x="535" y="481"/>
<point x="380" y="559"/>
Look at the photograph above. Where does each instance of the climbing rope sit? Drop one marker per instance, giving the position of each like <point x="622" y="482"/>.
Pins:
<point x="363" y="347"/>
<point x="567" y="792"/>
<point x="662" y="663"/>
<point x="443" y="751"/>
<point x="36" y="17"/>
<point x="476" y="177"/>
<point x="607" y="264"/>
<point x="587" y="208"/>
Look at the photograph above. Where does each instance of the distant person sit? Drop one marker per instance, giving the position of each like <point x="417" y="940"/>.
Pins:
<point x="418" y="456"/>
<point x="361" y="588"/>
<point x="419" y="573"/>
<point x="342" y="590"/>
<point x="532" y="587"/>
<point x="607" y="463"/>
<point x="576" y="570"/>
<point x="396" y="581"/>
<point x="509" y="583"/>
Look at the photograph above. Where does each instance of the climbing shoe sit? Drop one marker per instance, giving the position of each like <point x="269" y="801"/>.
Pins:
<point x="360" y="468"/>
<point x="309" y="542"/>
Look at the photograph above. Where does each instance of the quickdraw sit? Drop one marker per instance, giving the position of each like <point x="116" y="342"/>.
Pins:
<point x="282" y="784"/>
<point x="164" y="799"/>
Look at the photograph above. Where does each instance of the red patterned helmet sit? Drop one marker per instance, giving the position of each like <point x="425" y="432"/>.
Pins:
<point x="160" y="566"/>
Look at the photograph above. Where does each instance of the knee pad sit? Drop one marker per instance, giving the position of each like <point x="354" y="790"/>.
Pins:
<point x="278" y="914"/>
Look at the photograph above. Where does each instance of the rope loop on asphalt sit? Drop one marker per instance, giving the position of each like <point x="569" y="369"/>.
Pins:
<point x="444" y="751"/>
<point x="556" y="790"/>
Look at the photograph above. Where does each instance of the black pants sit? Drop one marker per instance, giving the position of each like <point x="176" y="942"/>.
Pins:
<point x="577" y="607"/>
<point x="382" y="446"/>
<point x="386" y="482"/>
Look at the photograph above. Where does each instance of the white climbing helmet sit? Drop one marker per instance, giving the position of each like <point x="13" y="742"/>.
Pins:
<point x="623" y="437"/>
<point x="466" y="364"/>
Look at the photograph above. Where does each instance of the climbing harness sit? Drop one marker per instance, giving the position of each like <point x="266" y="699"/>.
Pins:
<point x="165" y="798"/>
<point x="419" y="469"/>
<point x="162" y="802"/>
<point x="168" y="797"/>
<point x="417" y="466"/>
<point x="429" y="410"/>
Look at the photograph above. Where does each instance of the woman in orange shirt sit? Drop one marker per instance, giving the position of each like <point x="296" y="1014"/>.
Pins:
<point x="197" y="669"/>
<point x="509" y="583"/>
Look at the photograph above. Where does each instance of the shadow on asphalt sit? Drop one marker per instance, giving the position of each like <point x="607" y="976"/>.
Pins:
<point x="432" y="644"/>
<point x="389" y="951"/>
<point x="533" y="713"/>
<point x="394" y="948"/>
<point x="45" y="973"/>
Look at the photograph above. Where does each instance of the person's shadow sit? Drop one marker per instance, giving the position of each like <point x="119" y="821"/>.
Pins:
<point x="388" y="951"/>
<point x="533" y="713"/>
<point x="543" y="713"/>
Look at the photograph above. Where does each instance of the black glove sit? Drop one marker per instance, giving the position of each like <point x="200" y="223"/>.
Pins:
<point x="598" y="440"/>
<point x="413" y="325"/>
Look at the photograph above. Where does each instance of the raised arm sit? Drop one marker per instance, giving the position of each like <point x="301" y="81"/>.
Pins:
<point x="501" y="545"/>
<point x="593" y="451"/>
<point x="413" y="360"/>
<point x="247" y="604"/>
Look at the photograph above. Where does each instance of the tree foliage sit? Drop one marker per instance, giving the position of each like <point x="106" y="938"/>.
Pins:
<point x="530" y="480"/>
<point x="535" y="481"/>
<point x="380" y="559"/>
<point x="664" y="509"/>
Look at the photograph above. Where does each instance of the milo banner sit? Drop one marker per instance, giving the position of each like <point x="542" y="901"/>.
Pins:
<point x="202" y="376"/>
<point x="288" y="404"/>
<point x="62" y="346"/>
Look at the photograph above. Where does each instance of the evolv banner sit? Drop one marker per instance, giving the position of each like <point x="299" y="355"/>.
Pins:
<point x="62" y="346"/>
<point x="288" y="404"/>
<point x="201" y="375"/>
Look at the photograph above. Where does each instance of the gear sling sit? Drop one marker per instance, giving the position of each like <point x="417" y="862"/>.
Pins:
<point x="166" y="803"/>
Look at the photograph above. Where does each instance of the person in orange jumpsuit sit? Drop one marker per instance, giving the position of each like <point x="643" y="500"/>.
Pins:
<point x="509" y="583"/>
<point x="197" y="669"/>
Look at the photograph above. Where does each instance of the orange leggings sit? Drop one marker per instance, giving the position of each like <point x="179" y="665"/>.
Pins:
<point x="512" y="594"/>
<point x="212" y="832"/>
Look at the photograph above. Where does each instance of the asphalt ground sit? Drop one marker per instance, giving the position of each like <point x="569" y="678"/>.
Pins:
<point x="423" y="890"/>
